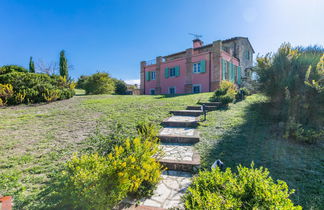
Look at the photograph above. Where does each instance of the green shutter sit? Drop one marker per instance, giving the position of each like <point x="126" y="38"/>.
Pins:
<point x="224" y="69"/>
<point x="227" y="70"/>
<point x="148" y="76"/>
<point x="166" y="72"/>
<point x="177" y="71"/>
<point x="239" y="75"/>
<point x="231" y="72"/>
<point x="203" y="66"/>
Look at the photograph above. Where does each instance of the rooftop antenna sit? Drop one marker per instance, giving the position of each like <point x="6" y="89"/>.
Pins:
<point x="197" y="36"/>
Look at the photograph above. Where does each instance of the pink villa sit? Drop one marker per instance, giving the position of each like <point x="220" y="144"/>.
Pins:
<point x="198" y="69"/>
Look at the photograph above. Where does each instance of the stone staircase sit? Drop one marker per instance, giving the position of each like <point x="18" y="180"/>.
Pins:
<point x="179" y="156"/>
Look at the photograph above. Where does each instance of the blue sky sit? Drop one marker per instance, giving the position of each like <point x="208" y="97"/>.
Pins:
<point x="115" y="35"/>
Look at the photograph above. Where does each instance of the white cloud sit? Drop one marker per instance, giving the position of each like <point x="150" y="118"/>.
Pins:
<point x="132" y="81"/>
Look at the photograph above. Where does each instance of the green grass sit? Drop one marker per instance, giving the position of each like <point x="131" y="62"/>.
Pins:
<point x="37" y="139"/>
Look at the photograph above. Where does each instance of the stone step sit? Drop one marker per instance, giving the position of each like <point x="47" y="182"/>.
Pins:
<point x="187" y="113"/>
<point x="181" y="121"/>
<point x="211" y="103"/>
<point x="168" y="193"/>
<point x="178" y="135"/>
<point x="179" y="157"/>
<point x="209" y="108"/>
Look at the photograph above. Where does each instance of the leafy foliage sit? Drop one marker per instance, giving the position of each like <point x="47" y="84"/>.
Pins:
<point x="35" y="88"/>
<point x="225" y="94"/>
<point x="11" y="68"/>
<point x="120" y="87"/>
<point x="63" y="65"/>
<point x="31" y="65"/>
<point x="81" y="82"/>
<point x="99" y="83"/>
<point x="250" y="188"/>
<point x="6" y="92"/>
<point x="293" y="79"/>
<point x="96" y="181"/>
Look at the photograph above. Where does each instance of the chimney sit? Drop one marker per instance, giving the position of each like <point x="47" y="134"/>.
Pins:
<point x="197" y="43"/>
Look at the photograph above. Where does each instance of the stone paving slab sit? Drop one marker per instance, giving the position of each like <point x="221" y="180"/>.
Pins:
<point x="169" y="191"/>
<point x="178" y="131"/>
<point x="181" y="157"/>
<point x="177" y="118"/>
<point x="187" y="112"/>
<point x="181" y="121"/>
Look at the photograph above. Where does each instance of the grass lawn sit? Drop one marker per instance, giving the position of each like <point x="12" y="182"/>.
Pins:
<point x="37" y="139"/>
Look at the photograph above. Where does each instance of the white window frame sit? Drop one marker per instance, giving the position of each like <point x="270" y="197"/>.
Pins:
<point x="196" y="85"/>
<point x="196" y="68"/>
<point x="175" y="90"/>
<point x="173" y="69"/>
<point x="151" y="91"/>
<point x="153" y="75"/>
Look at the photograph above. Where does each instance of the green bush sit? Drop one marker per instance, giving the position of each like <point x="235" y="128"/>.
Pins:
<point x="12" y="68"/>
<point x="81" y="82"/>
<point x="293" y="80"/>
<point x="101" y="182"/>
<point x="99" y="83"/>
<point x="6" y="92"/>
<point x="35" y="88"/>
<point x="225" y="94"/>
<point x="120" y="87"/>
<point x="250" y="188"/>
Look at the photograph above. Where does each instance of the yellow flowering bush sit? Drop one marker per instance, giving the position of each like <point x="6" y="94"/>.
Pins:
<point x="101" y="182"/>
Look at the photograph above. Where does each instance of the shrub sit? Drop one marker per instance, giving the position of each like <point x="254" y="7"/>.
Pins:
<point x="293" y="80"/>
<point x="225" y="94"/>
<point x="241" y="94"/>
<point x="12" y="68"/>
<point x="101" y="182"/>
<point x="120" y="87"/>
<point x="35" y="88"/>
<point x="250" y="188"/>
<point x="6" y="92"/>
<point x="99" y="83"/>
<point x="81" y="82"/>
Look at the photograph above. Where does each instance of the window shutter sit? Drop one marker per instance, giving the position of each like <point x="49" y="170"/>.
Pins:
<point x="203" y="66"/>
<point x="177" y="71"/>
<point x="166" y="72"/>
<point x="148" y="76"/>
<point x="239" y="75"/>
<point x="227" y="70"/>
<point x="224" y="69"/>
<point x="231" y="72"/>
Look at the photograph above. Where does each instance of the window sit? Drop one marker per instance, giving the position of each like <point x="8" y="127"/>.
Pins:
<point x="153" y="75"/>
<point x="196" y="68"/>
<point x="152" y="91"/>
<point x="172" y="90"/>
<point x="247" y="55"/>
<point x="196" y="88"/>
<point x="172" y="72"/>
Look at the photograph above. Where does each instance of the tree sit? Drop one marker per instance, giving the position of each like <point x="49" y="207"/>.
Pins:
<point x="63" y="65"/>
<point x="99" y="83"/>
<point x="31" y="65"/>
<point x="120" y="87"/>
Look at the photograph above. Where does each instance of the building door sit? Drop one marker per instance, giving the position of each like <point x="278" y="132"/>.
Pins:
<point x="172" y="90"/>
<point x="152" y="91"/>
<point x="196" y="88"/>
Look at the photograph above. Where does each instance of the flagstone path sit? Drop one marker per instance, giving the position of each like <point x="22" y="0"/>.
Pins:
<point x="179" y="157"/>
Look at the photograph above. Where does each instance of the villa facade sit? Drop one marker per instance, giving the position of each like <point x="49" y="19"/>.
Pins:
<point x="197" y="69"/>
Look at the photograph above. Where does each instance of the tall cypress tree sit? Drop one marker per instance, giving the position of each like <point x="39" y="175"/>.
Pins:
<point x="31" y="65"/>
<point x="63" y="65"/>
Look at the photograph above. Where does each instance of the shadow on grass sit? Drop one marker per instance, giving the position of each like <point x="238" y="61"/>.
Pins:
<point x="260" y="140"/>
